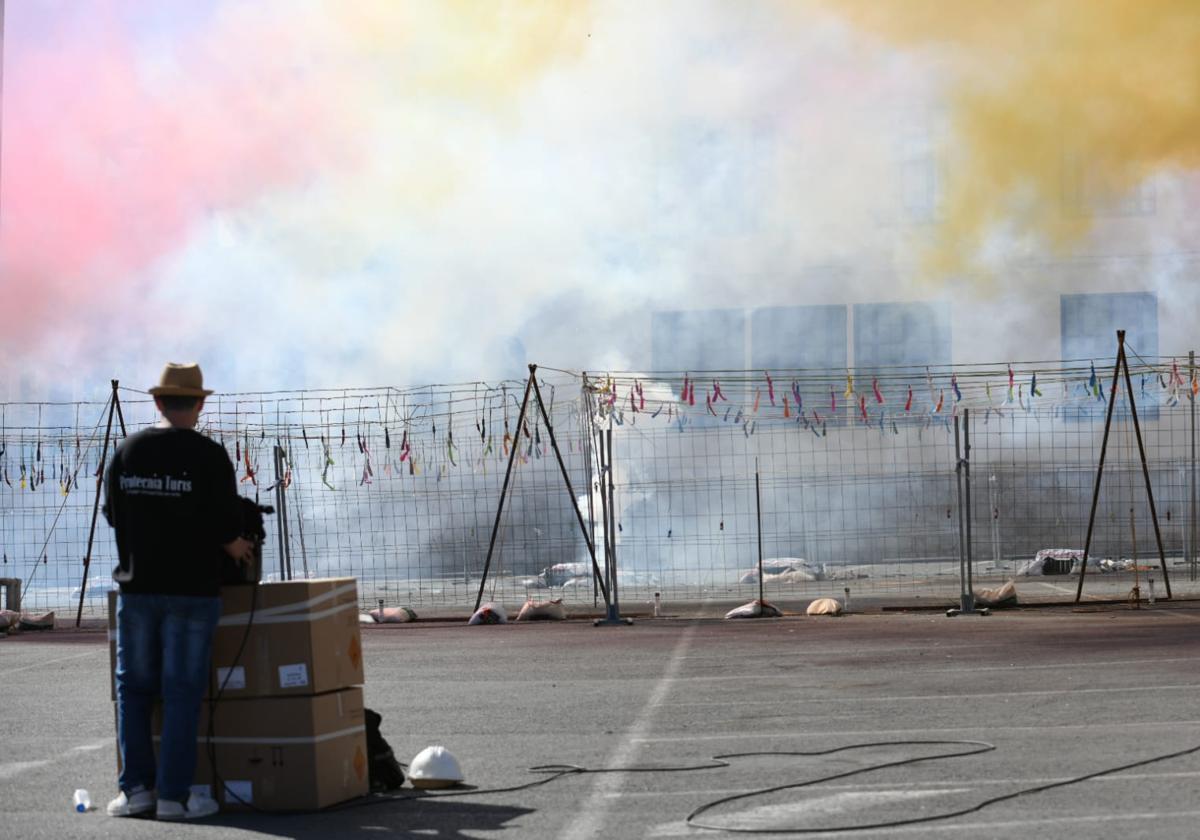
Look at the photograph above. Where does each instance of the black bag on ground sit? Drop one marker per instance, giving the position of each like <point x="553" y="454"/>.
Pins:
<point x="383" y="769"/>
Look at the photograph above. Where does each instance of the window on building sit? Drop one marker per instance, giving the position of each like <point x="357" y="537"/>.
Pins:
<point x="712" y="339"/>
<point x="919" y="133"/>
<point x="811" y="337"/>
<point x="1089" y="332"/>
<point x="899" y="335"/>
<point x="1090" y="323"/>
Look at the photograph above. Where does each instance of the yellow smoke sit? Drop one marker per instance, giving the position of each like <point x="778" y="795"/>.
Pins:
<point x="1057" y="107"/>
<point x="426" y="87"/>
<point x="461" y="47"/>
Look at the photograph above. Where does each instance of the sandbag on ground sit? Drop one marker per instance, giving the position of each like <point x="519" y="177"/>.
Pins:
<point x="489" y="614"/>
<point x="755" y="609"/>
<point x="393" y="615"/>
<point x="39" y="621"/>
<point x="1001" y="596"/>
<point x="543" y="611"/>
<point x="825" y="606"/>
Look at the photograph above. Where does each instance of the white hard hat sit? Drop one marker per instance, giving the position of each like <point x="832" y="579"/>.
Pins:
<point x="434" y="767"/>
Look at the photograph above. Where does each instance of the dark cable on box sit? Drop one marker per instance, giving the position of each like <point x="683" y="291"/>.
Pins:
<point x="210" y="745"/>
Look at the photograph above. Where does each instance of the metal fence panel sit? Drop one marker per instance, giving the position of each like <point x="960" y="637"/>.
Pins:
<point x="400" y="487"/>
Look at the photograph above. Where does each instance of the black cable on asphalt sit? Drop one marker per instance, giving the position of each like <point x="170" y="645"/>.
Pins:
<point x="558" y="771"/>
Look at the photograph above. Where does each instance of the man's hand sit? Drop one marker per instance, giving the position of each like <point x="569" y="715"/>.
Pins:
<point x="241" y="550"/>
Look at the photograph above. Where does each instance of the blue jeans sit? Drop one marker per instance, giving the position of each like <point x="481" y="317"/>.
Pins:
<point x="164" y="648"/>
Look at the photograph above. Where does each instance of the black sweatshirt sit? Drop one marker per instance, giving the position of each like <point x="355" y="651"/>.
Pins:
<point x="171" y="494"/>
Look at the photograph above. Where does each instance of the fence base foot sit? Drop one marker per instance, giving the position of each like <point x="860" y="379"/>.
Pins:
<point x="955" y="611"/>
<point x="612" y="621"/>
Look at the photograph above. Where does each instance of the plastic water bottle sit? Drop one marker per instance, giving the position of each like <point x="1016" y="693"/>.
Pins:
<point x="657" y="603"/>
<point x="846" y="604"/>
<point x="83" y="802"/>
<point x="1151" y="590"/>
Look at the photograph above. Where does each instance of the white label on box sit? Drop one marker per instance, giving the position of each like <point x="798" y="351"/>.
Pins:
<point x="238" y="792"/>
<point x="231" y="679"/>
<point x="293" y="676"/>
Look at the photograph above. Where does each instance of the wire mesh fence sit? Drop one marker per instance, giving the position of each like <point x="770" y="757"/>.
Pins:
<point x="858" y="482"/>
<point x="838" y="484"/>
<point x="397" y="487"/>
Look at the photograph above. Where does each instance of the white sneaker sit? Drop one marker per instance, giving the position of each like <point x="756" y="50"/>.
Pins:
<point x="197" y="808"/>
<point x="131" y="804"/>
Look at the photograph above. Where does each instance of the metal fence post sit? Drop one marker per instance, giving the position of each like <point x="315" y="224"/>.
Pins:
<point x="113" y="401"/>
<point x="1192" y="493"/>
<point x="965" y="595"/>
<point x="613" y="612"/>
<point x="285" y="548"/>
<point x="969" y="606"/>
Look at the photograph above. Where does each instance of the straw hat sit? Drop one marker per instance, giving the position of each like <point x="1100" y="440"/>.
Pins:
<point x="180" y="380"/>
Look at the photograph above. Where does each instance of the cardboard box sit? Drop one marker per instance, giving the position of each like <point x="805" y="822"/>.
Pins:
<point x="281" y="753"/>
<point x="304" y="639"/>
<point x="286" y="753"/>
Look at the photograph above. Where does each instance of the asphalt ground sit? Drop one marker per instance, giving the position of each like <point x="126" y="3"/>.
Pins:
<point x="1059" y="692"/>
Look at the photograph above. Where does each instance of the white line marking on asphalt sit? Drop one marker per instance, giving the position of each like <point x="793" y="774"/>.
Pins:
<point x="793" y="814"/>
<point x="15" y="768"/>
<point x="1107" y="726"/>
<point x="952" y="825"/>
<point x="1149" y="660"/>
<point x="9" y="671"/>
<point x="92" y="747"/>
<point x="923" y="697"/>
<point x="972" y="784"/>
<point x="1014" y="667"/>
<point x="590" y="820"/>
<point x="853" y="651"/>
<point x="679" y="829"/>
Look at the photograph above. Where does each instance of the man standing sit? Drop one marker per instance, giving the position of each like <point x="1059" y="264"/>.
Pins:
<point x="171" y="496"/>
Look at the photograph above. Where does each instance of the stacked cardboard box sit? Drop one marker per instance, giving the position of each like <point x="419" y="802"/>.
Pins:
<point x="283" y="726"/>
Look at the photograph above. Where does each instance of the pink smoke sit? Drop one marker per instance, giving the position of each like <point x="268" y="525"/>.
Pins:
<point x="113" y="151"/>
